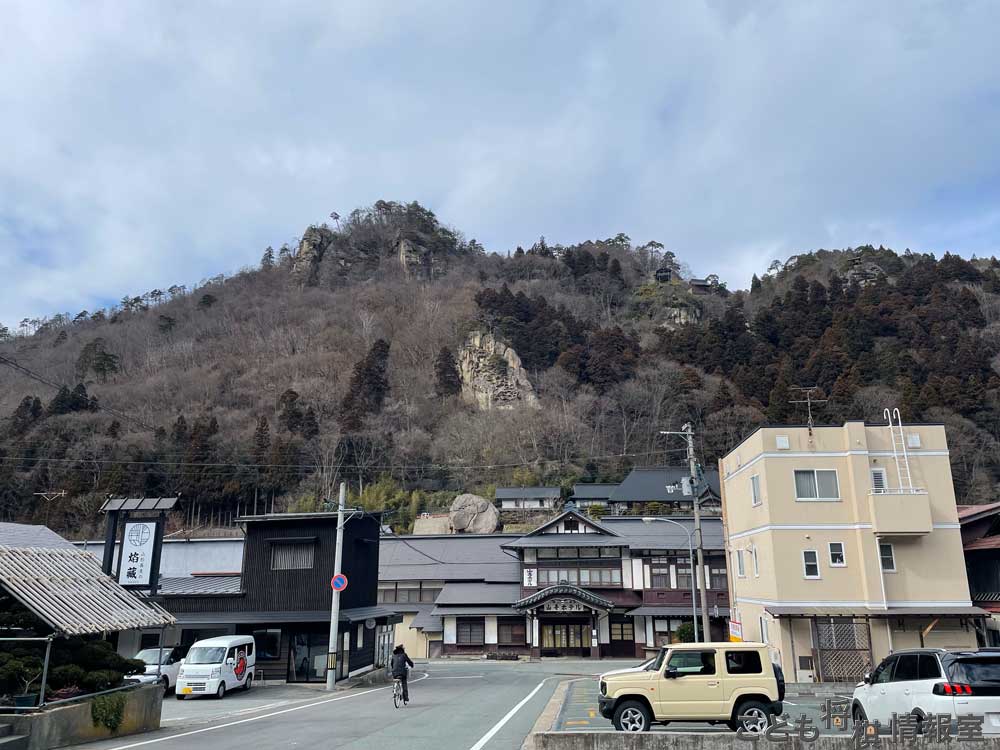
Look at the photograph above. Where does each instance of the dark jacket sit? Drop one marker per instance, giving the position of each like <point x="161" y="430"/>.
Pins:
<point x="399" y="663"/>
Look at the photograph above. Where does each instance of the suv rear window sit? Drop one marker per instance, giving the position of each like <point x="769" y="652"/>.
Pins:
<point x="976" y="669"/>
<point x="743" y="662"/>
<point x="929" y="669"/>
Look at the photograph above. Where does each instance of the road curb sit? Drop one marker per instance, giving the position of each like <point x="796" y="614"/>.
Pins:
<point x="546" y="720"/>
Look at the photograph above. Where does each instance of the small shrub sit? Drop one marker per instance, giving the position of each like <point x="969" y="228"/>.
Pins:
<point x="101" y="679"/>
<point x="67" y="674"/>
<point x="108" y="711"/>
<point x="62" y="694"/>
<point x="684" y="633"/>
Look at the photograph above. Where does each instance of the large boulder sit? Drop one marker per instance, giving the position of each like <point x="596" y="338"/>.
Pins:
<point x="472" y="514"/>
<point x="492" y="374"/>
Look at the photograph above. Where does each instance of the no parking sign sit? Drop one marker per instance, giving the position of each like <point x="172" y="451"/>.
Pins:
<point x="338" y="582"/>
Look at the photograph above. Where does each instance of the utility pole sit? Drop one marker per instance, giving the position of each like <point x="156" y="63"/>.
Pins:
<point x="697" y="575"/>
<point x="49" y="497"/>
<point x="338" y="559"/>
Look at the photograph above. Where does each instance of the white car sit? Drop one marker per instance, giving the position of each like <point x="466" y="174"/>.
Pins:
<point x="932" y="681"/>
<point x="169" y="667"/>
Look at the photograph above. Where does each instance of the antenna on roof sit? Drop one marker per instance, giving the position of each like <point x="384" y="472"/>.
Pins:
<point x="808" y="401"/>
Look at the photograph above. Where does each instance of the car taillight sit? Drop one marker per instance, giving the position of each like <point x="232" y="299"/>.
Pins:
<point x="951" y="688"/>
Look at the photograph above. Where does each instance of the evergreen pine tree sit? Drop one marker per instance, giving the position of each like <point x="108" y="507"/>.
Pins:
<point x="309" y="427"/>
<point x="755" y="285"/>
<point x="368" y="387"/>
<point x="261" y="441"/>
<point x="267" y="260"/>
<point x="448" y="380"/>
<point x="179" y="432"/>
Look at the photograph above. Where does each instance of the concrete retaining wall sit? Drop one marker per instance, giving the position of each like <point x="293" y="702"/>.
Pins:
<point x="72" y="724"/>
<point x="720" y="741"/>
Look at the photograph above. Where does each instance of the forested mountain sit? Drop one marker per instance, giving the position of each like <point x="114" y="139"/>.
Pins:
<point x="388" y="350"/>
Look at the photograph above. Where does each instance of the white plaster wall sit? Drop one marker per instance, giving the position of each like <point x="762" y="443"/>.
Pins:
<point x="638" y="575"/>
<point x="603" y="629"/>
<point x="627" y="573"/>
<point x="639" y="629"/>
<point x="183" y="557"/>
<point x="491" y="629"/>
<point x="450" y="630"/>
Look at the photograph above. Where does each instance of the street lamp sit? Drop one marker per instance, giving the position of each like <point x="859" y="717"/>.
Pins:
<point x="694" y="571"/>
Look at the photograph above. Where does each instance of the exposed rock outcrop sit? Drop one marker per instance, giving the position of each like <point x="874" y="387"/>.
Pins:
<point x="312" y="247"/>
<point x="492" y="374"/>
<point x="472" y="514"/>
<point x="675" y="317"/>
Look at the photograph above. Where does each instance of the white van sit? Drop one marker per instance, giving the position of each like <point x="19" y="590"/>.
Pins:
<point x="217" y="665"/>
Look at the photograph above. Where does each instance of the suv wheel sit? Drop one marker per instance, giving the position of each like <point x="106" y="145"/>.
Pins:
<point x="858" y="713"/>
<point x="632" y="716"/>
<point x="753" y="716"/>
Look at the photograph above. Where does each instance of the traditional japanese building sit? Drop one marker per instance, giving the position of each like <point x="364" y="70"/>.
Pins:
<point x="618" y="586"/>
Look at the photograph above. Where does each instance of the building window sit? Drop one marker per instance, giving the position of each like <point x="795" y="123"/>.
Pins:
<point x="567" y="552"/>
<point x="610" y="552"/>
<point x="887" y="557"/>
<point x="511" y="632"/>
<point x="837" y="559"/>
<point x="879" y="483"/>
<point x="741" y="568"/>
<point x="470" y="631"/>
<point x="717" y="576"/>
<point x="570" y="525"/>
<point x="816" y="484"/>
<point x="659" y="572"/>
<point x="622" y="631"/>
<point x="547" y="553"/>
<point x="755" y="489"/>
<point x="360" y="640"/>
<point x="764" y="638"/>
<point x="387" y="593"/>
<point x="589" y="553"/>
<point x="268" y="643"/>
<point x="292" y="556"/>
<point x="810" y="563"/>
<point x="683" y="573"/>
<point x="756" y="561"/>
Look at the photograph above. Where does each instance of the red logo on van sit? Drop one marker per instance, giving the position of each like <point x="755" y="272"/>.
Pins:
<point x="240" y="668"/>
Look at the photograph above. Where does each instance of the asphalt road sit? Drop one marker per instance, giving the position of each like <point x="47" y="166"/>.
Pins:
<point x="453" y="706"/>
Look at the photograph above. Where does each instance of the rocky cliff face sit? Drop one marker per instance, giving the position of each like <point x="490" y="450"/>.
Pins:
<point x="492" y="374"/>
<point x="675" y="317"/>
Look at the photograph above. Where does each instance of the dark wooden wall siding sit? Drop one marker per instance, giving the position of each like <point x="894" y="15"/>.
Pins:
<point x="365" y="654"/>
<point x="277" y="590"/>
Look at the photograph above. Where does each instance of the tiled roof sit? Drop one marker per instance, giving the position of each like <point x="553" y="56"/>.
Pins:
<point x="650" y="485"/>
<point x="479" y="593"/>
<point x="448" y="557"/>
<point x="971" y="512"/>
<point x="661" y="535"/>
<point x="25" y="535"/>
<point x="593" y="491"/>
<point x="565" y="589"/>
<point x="986" y="542"/>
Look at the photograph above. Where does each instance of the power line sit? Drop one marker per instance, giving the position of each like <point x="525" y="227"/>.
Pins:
<point x="59" y="386"/>
<point x="238" y="465"/>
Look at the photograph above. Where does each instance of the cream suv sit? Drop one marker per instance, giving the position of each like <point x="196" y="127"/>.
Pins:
<point x="731" y="683"/>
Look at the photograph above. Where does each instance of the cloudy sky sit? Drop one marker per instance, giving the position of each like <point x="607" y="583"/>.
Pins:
<point x="154" y="143"/>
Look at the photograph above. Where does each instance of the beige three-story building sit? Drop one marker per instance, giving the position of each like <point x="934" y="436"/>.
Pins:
<point x="845" y="545"/>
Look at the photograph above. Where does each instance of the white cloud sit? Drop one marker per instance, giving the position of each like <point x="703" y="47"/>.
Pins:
<point x="151" y="144"/>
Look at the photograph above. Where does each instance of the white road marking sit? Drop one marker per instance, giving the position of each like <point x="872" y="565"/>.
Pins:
<point x="789" y="703"/>
<point x="509" y="715"/>
<point x="257" y="718"/>
<point x="458" y="677"/>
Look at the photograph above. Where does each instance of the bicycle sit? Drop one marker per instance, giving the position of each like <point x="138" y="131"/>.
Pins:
<point x="397" y="692"/>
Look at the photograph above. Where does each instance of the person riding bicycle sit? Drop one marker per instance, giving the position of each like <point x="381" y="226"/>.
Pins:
<point x="399" y="664"/>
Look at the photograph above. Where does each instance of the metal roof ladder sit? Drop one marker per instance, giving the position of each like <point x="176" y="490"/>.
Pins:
<point x="899" y="453"/>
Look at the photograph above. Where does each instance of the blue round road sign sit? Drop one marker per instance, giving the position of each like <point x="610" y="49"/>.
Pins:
<point x="338" y="582"/>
